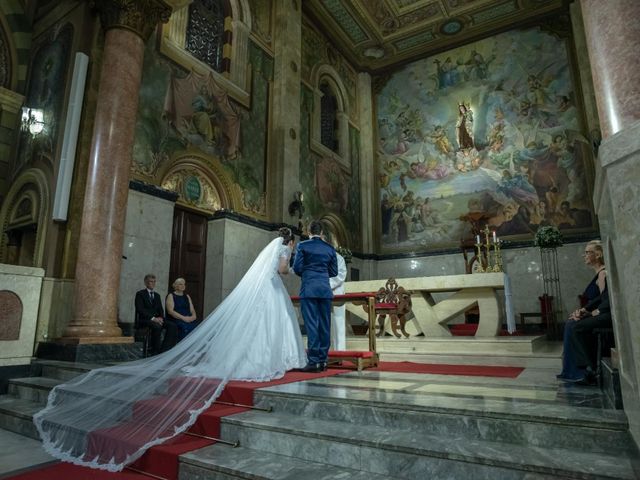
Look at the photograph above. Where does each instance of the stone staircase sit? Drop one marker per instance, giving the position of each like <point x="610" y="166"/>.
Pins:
<point x="340" y="428"/>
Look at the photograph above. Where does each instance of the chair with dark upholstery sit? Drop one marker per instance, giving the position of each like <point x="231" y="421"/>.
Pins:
<point x="605" y="341"/>
<point x="141" y="334"/>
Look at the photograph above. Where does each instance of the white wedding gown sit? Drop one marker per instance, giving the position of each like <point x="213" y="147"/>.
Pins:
<point x="110" y="416"/>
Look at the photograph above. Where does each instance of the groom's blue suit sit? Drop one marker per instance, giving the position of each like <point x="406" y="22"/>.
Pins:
<point x="315" y="261"/>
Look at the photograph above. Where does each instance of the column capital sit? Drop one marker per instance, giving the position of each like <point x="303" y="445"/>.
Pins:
<point x="10" y="101"/>
<point x="139" y="16"/>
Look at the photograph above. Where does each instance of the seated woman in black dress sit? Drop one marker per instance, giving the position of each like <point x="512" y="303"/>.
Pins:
<point x="180" y="309"/>
<point x="591" y="297"/>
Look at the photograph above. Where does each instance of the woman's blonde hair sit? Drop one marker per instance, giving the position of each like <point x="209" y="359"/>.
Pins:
<point x="597" y="248"/>
<point x="177" y="281"/>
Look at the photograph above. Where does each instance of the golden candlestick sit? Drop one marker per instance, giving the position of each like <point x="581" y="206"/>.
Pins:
<point x="494" y="261"/>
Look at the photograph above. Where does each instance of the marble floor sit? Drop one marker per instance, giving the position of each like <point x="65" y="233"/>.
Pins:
<point x="536" y="392"/>
<point x="18" y="452"/>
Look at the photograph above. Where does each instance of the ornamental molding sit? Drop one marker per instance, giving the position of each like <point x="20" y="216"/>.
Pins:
<point x="139" y="16"/>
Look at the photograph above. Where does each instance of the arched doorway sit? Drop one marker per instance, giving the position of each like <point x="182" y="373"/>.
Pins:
<point x="201" y="192"/>
<point x="24" y="220"/>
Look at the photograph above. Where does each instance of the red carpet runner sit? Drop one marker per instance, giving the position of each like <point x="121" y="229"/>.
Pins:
<point x="162" y="460"/>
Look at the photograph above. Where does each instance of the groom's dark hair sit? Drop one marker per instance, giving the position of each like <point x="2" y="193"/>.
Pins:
<point x="316" y="227"/>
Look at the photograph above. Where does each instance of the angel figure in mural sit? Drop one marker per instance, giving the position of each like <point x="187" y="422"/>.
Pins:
<point x="440" y="140"/>
<point x="464" y="127"/>
<point x="447" y="73"/>
<point x="477" y="66"/>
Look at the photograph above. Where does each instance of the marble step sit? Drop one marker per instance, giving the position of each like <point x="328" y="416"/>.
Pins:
<point x="63" y="370"/>
<point x="509" y="360"/>
<point x="522" y="423"/>
<point x="416" y="392"/>
<point x="16" y="415"/>
<point x="409" y="454"/>
<point x="222" y="462"/>
<point x="35" y="389"/>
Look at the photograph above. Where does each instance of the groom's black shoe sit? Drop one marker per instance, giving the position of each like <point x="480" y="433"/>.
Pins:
<point x="324" y="366"/>
<point x="312" y="368"/>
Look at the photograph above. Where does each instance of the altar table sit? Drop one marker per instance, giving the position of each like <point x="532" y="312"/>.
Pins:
<point x="431" y="317"/>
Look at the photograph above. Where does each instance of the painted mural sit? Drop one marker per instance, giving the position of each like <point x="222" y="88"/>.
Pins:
<point x="45" y="95"/>
<point x="261" y="19"/>
<point x="487" y="131"/>
<point x="327" y="185"/>
<point x="181" y="111"/>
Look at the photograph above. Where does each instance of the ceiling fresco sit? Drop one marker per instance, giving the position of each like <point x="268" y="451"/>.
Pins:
<point x="378" y="34"/>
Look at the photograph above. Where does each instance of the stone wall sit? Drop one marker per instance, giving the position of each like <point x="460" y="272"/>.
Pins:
<point x="522" y="265"/>
<point x="147" y="248"/>
<point x="616" y="199"/>
<point x="20" y="289"/>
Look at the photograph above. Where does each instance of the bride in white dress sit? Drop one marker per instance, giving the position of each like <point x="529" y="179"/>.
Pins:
<point x="110" y="416"/>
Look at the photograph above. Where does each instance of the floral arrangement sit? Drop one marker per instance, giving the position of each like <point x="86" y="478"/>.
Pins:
<point x="345" y="252"/>
<point x="548" y="237"/>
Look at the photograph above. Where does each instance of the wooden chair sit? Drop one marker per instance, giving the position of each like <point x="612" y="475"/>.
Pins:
<point x="394" y="301"/>
<point x="141" y="334"/>
<point x="604" y="341"/>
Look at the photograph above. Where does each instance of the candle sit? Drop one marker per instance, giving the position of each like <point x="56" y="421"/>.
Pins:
<point x="478" y="239"/>
<point x="494" y="236"/>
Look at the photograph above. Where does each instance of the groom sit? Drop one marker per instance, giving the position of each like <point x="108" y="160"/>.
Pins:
<point x="315" y="261"/>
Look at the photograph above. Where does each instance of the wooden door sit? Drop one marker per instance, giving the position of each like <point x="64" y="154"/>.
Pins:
<point x="188" y="254"/>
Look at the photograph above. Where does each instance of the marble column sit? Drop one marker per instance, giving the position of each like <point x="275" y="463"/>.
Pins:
<point x="369" y="209"/>
<point x="285" y="116"/>
<point x="128" y="25"/>
<point x="613" y="40"/>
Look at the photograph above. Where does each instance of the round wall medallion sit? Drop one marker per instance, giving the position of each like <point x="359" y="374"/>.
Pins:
<point x="451" y="27"/>
<point x="292" y="133"/>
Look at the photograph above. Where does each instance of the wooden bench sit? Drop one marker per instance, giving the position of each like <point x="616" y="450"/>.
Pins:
<point x="360" y="359"/>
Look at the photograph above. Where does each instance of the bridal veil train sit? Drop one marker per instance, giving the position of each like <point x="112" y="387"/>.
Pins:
<point x="110" y="416"/>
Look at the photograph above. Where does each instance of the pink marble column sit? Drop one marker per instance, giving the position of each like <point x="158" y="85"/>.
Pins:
<point x="613" y="39"/>
<point x="127" y="26"/>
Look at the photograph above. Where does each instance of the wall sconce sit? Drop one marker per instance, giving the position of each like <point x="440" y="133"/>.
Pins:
<point x="296" y="206"/>
<point x="32" y="120"/>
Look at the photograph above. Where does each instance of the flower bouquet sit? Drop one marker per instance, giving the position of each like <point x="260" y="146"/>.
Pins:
<point x="547" y="237"/>
<point x="345" y="252"/>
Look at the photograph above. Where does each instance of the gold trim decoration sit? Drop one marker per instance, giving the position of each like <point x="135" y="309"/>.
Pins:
<point x="139" y="16"/>
<point x="209" y="169"/>
<point x="195" y="189"/>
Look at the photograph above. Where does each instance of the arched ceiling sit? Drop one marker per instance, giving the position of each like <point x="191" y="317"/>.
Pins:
<point x="378" y="34"/>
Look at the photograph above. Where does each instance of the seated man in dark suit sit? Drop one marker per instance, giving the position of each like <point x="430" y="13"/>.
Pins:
<point x="149" y="313"/>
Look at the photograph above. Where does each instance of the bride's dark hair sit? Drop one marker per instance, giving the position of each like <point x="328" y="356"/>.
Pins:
<point x="286" y="234"/>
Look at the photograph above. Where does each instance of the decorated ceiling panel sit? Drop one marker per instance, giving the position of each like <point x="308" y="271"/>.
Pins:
<point x="377" y="34"/>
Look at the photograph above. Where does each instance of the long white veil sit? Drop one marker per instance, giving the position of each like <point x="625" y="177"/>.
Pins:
<point x="110" y="416"/>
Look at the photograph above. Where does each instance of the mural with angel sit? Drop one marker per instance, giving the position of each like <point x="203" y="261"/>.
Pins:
<point x="491" y="128"/>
